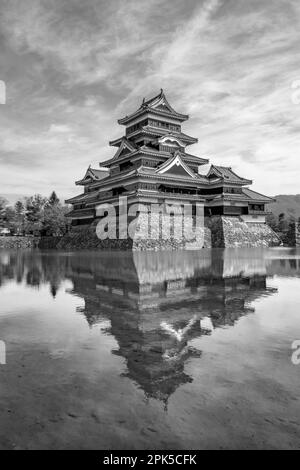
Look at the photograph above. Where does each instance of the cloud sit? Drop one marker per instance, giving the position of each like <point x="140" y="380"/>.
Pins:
<point x="60" y="128"/>
<point x="72" y="68"/>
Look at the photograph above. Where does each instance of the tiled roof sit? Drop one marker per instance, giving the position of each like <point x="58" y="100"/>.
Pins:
<point x="253" y="195"/>
<point x="93" y="174"/>
<point x="227" y="174"/>
<point x="158" y="104"/>
<point x="152" y="173"/>
<point x="99" y="174"/>
<point x="144" y="149"/>
<point x="184" y="136"/>
<point x="161" y="99"/>
<point x="127" y="145"/>
<point x="176" y="161"/>
<point x="194" y="158"/>
<point x="152" y="100"/>
<point x="246" y="195"/>
<point x="117" y="142"/>
<point x="234" y="197"/>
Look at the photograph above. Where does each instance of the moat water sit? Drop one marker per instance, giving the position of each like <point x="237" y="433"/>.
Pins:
<point x="173" y="350"/>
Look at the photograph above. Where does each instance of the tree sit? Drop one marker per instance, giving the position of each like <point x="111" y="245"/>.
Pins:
<point x="282" y="223"/>
<point x="272" y="221"/>
<point x="35" y="206"/>
<point x="3" y="206"/>
<point x="289" y="237"/>
<point x="6" y="213"/>
<point x="53" y="199"/>
<point x="19" y="218"/>
<point x="37" y="215"/>
<point x="9" y="217"/>
<point x="19" y="209"/>
<point x="55" y="222"/>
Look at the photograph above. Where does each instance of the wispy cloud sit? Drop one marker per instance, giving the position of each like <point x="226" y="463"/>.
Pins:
<point x="72" y="68"/>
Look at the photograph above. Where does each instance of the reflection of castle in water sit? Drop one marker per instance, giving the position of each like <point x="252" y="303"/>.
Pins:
<point x="157" y="303"/>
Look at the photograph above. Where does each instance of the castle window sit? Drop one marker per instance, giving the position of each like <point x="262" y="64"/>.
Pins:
<point x="165" y="125"/>
<point x="125" y="166"/>
<point x="136" y="126"/>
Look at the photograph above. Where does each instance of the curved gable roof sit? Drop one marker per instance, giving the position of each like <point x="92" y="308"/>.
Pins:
<point x="126" y="147"/>
<point x="93" y="174"/>
<point x="158" y="104"/>
<point x="227" y="174"/>
<point x="176" y="164"/>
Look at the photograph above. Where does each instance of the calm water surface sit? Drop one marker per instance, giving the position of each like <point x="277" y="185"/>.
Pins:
<point x="150" y="350"/>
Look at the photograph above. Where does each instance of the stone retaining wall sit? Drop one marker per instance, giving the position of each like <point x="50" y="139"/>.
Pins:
<point x="23" y="243"/>
<point x="85" y="238"/>
<point x="230" y="232"/>
<point x="218" y="232"/>
<point x="145" y="235"/>
<point x="12" y="243"/>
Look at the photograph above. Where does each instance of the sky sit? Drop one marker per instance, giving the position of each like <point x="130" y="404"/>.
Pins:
<point x="71" y="68"/>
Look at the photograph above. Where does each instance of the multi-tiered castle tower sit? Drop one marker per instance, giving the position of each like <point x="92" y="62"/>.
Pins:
<point x="153" y="164"/>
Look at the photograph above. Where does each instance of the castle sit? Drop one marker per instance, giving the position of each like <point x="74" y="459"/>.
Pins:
<point x="153" y="164"/>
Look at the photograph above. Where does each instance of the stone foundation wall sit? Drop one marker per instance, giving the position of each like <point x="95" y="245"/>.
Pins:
<point x="230" y="232"/>
<point x="13" y="243"/>
<point x="155" y="232"/>
<point x="23" y="243"/>
<point x="85" y="238"/>
<point x="150" y="234"/>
